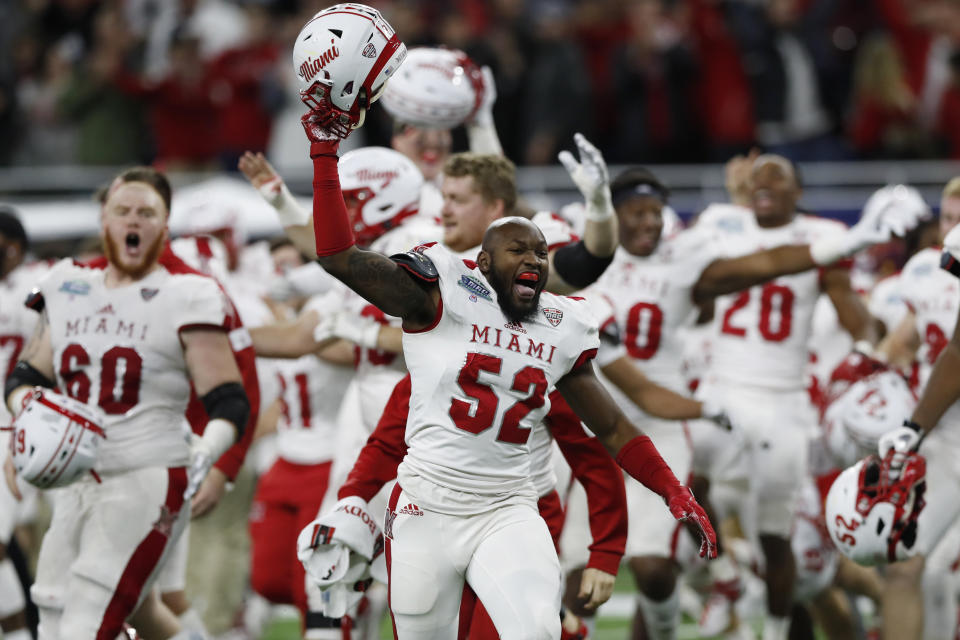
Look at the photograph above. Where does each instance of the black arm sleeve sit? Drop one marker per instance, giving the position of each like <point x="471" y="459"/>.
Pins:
<point x="25" y="375"/>
<point x="228" y="401"/>
<point x="577" y="266"/>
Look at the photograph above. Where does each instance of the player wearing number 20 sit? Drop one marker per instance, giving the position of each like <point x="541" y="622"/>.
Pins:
<point x="127" y="335"/>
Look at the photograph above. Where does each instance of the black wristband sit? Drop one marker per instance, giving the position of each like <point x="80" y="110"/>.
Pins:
<point x="910" y="424"/>
<point x="24" y="374"/>
<point x="229" y="402"/>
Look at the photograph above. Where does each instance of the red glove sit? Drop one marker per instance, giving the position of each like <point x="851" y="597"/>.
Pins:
<point x="642" y="461"/>
<point x="323" y="142"/>
<point x="684" y="507"/>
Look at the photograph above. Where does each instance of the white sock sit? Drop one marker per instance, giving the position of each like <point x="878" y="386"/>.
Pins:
<point x="191" y="621"/>
<point x="775" y="628"/>
<point x="660" y="618"/>
<point x="12" y="599"/>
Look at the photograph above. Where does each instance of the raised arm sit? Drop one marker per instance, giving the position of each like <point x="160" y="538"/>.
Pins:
<point x="578" y="265"/>
<point x="632" y="450"/>
<point x="852" y="313"/>
<point x="406" y="291"/>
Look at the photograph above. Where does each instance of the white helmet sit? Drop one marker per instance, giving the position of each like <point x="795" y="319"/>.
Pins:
<point x="55" y="439"/>
<point x="385" y="183"/>
<point x="871" y="407"/>
<point x="435" y="88"/>
<point x="872" y="519"/>
<point x="343" y="57"/>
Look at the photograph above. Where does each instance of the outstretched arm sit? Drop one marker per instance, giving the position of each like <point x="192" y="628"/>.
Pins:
<point x="633" y="451"/>
<point x="728" y="275"/>
<point x="297" y="222"/>
<point x="648" y="395"/>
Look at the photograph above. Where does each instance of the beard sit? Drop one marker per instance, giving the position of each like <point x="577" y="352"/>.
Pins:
<point x="514" y="310"/>
<point x="147" y="262"/>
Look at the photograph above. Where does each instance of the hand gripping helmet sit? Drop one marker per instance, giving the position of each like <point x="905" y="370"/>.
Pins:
<point x="871" y="407"/>
<point x="435" y="88"/>
<point x="343" y="57"/>
<point x="55" y="439"/>
<point x="385" y="187"/>
<point x="872" y="519"/>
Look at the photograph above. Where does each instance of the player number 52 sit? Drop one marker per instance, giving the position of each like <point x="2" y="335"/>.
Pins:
<point x="529" y="380"/>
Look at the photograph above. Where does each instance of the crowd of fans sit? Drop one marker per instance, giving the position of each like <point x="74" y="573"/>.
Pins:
<point x="192" y="83"/>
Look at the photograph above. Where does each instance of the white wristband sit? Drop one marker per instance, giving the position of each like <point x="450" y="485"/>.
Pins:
<point x="831" y="248"/>
<point x="291" y="214"/>
<point x="218" y="436"/>
<point x="483" y="138"/>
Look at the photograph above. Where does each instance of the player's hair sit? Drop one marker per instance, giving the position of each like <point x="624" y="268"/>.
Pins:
<point x="11" y="227"/>
<point x="146" y="175"/>
<point x="952" y="190"/>
<point x="637" y="181"/>
<point x="494" y="177"/>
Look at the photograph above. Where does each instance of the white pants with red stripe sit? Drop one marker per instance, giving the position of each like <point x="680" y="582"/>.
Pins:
<point x="103" y="549"/>
<point x="505" y="555"/>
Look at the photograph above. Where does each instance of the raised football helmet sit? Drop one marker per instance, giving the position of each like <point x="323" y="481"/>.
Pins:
<point x="55" y="439"/>
<point x="381" y="188"/>
<point x="435" y="88"/>
<point x="869" y="408"/>
<point x="871" y="510"/>
<point x="343" y="57"/>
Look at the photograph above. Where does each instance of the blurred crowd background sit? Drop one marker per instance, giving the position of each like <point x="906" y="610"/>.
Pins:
<point x="191" y="84"/>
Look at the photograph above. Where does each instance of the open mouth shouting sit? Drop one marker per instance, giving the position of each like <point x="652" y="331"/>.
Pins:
<point x="131" y="244"/>
<point x="525" y="285"/>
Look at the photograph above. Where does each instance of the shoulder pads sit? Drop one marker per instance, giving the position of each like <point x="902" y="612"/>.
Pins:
<point x="35" y="301"/>
<point x="417" y="264"/>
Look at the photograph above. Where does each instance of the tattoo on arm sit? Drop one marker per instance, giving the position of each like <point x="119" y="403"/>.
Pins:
<point x="382" y="283"/>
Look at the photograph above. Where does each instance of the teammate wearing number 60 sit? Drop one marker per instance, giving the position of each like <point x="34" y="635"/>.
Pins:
<point x="127" y="334"/>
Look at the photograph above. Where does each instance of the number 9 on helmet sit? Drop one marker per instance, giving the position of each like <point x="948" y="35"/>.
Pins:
<point x="343" y="57"/>
<point x="871" y="509"/>
<point x="55" y="439"/>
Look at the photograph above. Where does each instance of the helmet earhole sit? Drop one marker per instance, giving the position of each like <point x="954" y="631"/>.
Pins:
<point x="880" y="525"/>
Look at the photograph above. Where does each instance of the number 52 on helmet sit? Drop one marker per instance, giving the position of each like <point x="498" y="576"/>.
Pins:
<point x="55" y="439"/>
<point x="343" y="58"/>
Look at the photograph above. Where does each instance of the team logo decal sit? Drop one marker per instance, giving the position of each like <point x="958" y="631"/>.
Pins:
<point x="147" y="294"/>
<point x="411" y="510"/>
<point x="553" y="316"/>
<point x="369" y="51"/>
<point x="75" y="287"/>
<point x="473" y="285"/>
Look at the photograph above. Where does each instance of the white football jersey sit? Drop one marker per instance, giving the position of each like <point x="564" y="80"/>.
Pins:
<point x="311" y="391"/>
<point x="119" y="349"/>
<point x="762" y="333"/>
<point x="17" y="322"/>
<point x="933" y="295"/>
<point x="479" y="387"/>
<point x="653" y="300"/>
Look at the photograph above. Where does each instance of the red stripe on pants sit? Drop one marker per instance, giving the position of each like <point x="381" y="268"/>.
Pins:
<point x="143" y="561"/>
<point x="391" y="507"/>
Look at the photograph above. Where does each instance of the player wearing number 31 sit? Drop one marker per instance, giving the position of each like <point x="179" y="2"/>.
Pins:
<point x="127" y="335"/>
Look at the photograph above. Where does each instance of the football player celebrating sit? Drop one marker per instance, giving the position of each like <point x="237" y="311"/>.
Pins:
<point x="655" y="284"/>
<point x="464" y="486"/>
<point x="127" y="335"/>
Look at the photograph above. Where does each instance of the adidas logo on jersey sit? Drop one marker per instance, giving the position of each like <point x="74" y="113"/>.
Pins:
<point x="107" y="309"/>
<point x="411" y="510"/>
